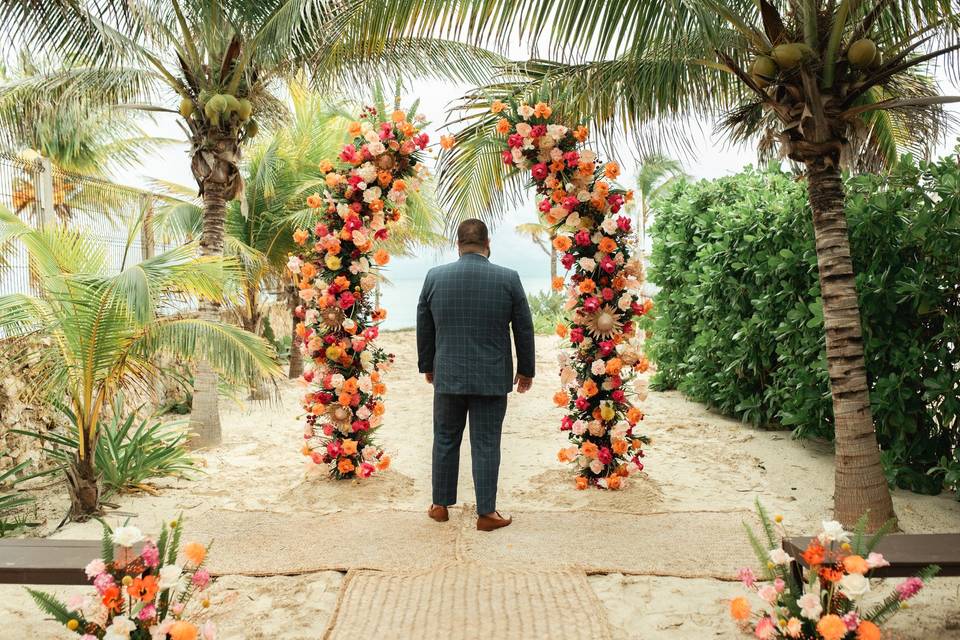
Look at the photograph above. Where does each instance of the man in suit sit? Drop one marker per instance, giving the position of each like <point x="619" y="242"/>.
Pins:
<point x="464" y="317"/>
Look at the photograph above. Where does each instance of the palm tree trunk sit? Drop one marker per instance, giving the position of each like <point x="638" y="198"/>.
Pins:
<point x="296" y="358"/>
<point x="205" y="413"/>
<point x="860" y="485"/>
<point x="553" y="263"/>
<point x="83" y="485"/>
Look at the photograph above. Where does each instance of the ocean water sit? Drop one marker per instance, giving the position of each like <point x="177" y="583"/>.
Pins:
<point x="400" y="296"/>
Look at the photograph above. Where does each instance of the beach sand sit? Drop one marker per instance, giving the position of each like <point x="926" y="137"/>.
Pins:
<point x="698" y="461"/>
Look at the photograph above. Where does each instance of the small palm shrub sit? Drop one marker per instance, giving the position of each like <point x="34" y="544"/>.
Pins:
<point x="12" y="518"/>
<point x="130" y="450"/>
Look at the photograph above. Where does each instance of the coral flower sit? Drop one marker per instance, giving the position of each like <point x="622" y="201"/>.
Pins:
<point x="542" y="110"/>
<point x="557" y="283"/>
<point x="611" y="170"/>
<point x="814" y="553"/>
<point x="144" y="589"/>
<point x="590" y="388"/>
<point x="607" y="245"/>
<point x="562" y="243"/>
<point x="381" y="257"/>
<point x="349" y="447"/>
<point x="587" y="286"/>
<point x="740" y="609"/>
<point x="503" y="126"/>
<point x="314" y="201"/>
<point x="581" y="133"/>
<point x="345" y="466"/>
<point x="581" y="483"/>
<point x="634" y="415"/>
<point x="589" y="449"/>
<point x="326" y="166"/>
<point x="398" y="116"/>
<point x="383" y="463"/>
<point x="354" y="130"/>
<point x="868" y="631"/>
<point x="561" y="330"/>
<point x="614" y="482"/>
<point x="561" y="399"/>
<point x="855" y="564"/>
<point x="619" y="446"/>
<point x="300" y="236"/>
<point x="183" y="630"/>
<point x="195" y="553"/>
<point x="447" y="142"/>
<point x="498" y="106"/>
<point x="832" y="627"/>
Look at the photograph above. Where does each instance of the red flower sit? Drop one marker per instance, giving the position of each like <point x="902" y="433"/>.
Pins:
<point x="349" y="153"/>
<point x="582" y="403"/>
<point x="537" y="130"/>
<point x="570" y="203"/>
<point x="515" y="140"/>
<point x="566" y="423"/>
<point x="591" y="304"/>
<point x="608" y="265"/>
<point x="576" y="335"/>
<point x="544" y="205"/>
<point x="347" y="300"/>
<point x="572" y="158"/>
<point x="606" y="347"/>
<point x="334" y="448"/>
<point x="567" y="260"/>
<point x="623" y="223"/>
<point x="539" y="172"/>
<point x="507" y="157"/>
<point x="321" y="230"/>
<point x="618" y="395"/>
<point x="605" y="455"/>
<point x="371" y="333"/>
<point x="582" y="238"/>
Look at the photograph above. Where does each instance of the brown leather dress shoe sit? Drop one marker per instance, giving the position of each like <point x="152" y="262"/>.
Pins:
<point x="438" y="513"/>
<point x="492" y="521"/>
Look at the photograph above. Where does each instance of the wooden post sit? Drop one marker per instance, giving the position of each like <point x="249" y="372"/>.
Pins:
<point x="43" y="186"/>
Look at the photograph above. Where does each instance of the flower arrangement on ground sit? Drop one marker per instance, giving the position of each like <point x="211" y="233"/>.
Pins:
<point x="582" y="207"/>
<point x="143" y="595"/>
<point x="829" y="604"/>
<point x="335" y="271"/>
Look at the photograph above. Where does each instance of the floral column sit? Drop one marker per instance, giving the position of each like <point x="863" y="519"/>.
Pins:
<point x="582" y="206"/>
<point x="335" y="271"/>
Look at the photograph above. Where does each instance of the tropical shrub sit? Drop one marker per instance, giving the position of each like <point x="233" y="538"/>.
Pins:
<point x="12" y="502"/>
<point x="546" y="307"/>
<point x="130" y="450"/>
<point x="739" y="317"/>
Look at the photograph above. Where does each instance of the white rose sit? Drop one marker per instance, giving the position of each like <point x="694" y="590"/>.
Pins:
<point x="810" y="606"/>
<point x="854" y="585"/>
<point x="579" y="427"/>
<point x="833" y="532"/>
<point x="524" y="129"/>
<point x="363" y="413"/>
<point x="376" y="148"/>
<point x="293" y="264"/>
<point x="369" y="452"/>
<point x="556" y="131"/>
<point x="365" y="126"/>
<point x="170" y="576"/>
<point x="366" y="360"/>
<point x="596" y="466"/>
<point x="598" y="367"/>
<point x="343" y="210"/>
<point x="336" y="380"/>
<point x="609" y="226"/>
<point x="573" y="220"/>
<point x="371" y="194"/>
<point x="371" y="136"/>
<point x="525" y="111"/>
<point x="588" y="264"/>
<point x="127" y="536"/>
<point x="779" y="556"/>
<point x="367" y="172"/>
<point x="625" y="302"/>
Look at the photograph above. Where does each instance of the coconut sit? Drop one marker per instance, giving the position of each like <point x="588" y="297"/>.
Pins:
<point x="245" y="109"/>
<point x="212" y="114"/>
<point x="787" y="56"/>
<point x="862" y="52"/>
<point x="186" y="107"/>
<point x="764" y="66"/>
<point x="217" y="103"/>
<point x="877" y="61"/>
<point x="233" y="105"/>
<point x="252" y="129"/>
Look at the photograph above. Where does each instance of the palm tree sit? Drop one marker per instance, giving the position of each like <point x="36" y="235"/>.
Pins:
<point x="825" y="83"/>
<point x="657" y="172"/>
<point x="219" y="63"/>
<point x="87" y="336"/>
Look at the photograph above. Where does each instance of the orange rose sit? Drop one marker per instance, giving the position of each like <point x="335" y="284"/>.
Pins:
<point x="565" y="455"/>
<point x="855" y="564"/>
<point x="556" y="284"/>
<point x="561" y="330"/>
<point x="581" y="133"/>
<point x="868" y="631"/>
<point x="587" y="286"/>
<point x="832" y="627"/>
<point x="345" y="466"/>
<point x="634" y="415"/>
<point x="301" y="330"/>
<point x="350" y="386"/>
<point x="503" y="126"/>
<point x="399" y="185"/>
<point x="332" y="180"/>
<point x="376" y="205"/>
<point x="561" y="399"/>
<point x="542" y="110"/>
<point x="379" y="315"/>
<point x="381" y="257"/>
<point x="195" y="553"/>
<point x="326" y="166"/>
<point x="379" y="409"/>
<point x="353" y="129"/>
<point x="562" y="243"/>
<point x="307" y="270"/>
<point x="314" y="201"/>
<point x="581" y="483"/>
<point x="619" y="446"/>
<point x="647" y="305"/>
<point x="384" y="178"/>
<point x="398" y="116"/>
<point x="498" y="106"/>
<point x="383" y="463"/>
<point x="740" y="609"/>
<point x="589" y="449"/>
<point x="379" y="388"/>
<point x="607" y="245"/>
<point x="447" y="142"/>
<point x="613" y="366"/>
<point x="614" y="482"/>
<point x="642" y="365"/>
<point x="611" y="170"/>
<point x="300" y="236"/>
<point x="590" y="388"/>
<point x="349" y="447"/>
<point x="183" y="630"/>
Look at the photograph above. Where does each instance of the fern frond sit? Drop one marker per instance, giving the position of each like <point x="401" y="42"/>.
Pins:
<point x="51" y="605"/>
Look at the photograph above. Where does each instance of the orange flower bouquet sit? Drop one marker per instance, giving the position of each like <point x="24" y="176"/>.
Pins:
<point x="829" y="604"/>
<point x="146" y="594"/>
<point x="335" y="271"/>
<point x="582" y="207"/>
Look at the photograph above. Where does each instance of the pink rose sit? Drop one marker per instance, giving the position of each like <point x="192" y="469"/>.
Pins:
<point x="366" y="470"/>
<point x="515" y="140"/>
<point x="582" y="238"/>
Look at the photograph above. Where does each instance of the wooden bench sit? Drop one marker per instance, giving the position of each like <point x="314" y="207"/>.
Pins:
<point x="906" y="553"/>
<point x="43" y="561"/>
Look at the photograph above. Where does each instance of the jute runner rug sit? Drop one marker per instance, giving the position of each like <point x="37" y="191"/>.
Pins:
<point x="467" y="601"/>
<point x="684" y="544"/>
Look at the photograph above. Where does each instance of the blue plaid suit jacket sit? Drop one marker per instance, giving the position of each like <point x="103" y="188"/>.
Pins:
<point x="464" y="317"/>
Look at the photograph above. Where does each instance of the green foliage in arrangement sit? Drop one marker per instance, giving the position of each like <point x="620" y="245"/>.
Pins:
<point x="130" y="450"/>
<point x="12" y="518"/>
<point x="739" y="318"/>
<point x="546" y="307"/>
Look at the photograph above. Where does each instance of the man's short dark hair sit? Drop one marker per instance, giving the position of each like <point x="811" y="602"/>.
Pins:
<point x="472" y="233"/>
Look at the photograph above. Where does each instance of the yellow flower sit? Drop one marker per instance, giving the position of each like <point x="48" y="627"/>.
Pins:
<point x="607" y="412"/>
<point x="333" y="262"/>
<point x="398" y="116"/>
<point x="333" y="352"/>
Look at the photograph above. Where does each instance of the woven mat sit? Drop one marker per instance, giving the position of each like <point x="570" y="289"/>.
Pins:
<point x="463" y="601"/>
<point x="699" y="544"/>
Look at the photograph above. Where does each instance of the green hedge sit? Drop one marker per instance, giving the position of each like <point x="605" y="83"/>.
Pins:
<point x="739" y="322"/>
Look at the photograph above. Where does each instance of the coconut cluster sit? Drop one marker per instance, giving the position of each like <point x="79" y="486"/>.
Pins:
<point x="221" y="110"/>
<point x="766" y="68"/>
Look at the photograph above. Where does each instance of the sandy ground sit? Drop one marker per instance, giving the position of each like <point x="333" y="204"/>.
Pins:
<point x="698" y="461"/>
